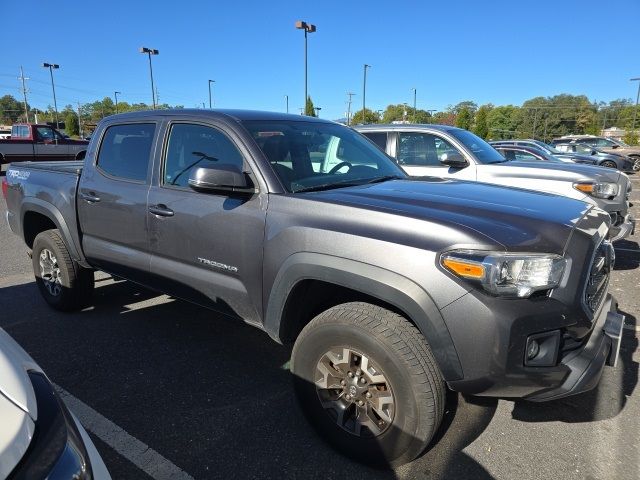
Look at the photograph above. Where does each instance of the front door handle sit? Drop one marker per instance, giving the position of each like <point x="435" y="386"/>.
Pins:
<point x="161" y="210"/>
<point x="89" y="197"/>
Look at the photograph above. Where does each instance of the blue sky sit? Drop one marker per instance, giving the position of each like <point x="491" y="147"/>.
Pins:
<point x="500" y="52"/>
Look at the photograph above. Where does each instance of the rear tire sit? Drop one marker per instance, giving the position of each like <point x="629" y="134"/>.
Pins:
<point x="368" y="382"/>
<point x="636" y="164"/>
<point x="64" y="284"/>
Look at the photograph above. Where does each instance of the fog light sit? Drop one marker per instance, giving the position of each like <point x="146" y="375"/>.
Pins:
<point x="533" y="349"/>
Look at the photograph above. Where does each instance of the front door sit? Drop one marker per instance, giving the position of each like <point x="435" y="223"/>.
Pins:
<point x="206" y="247"/>
<point x="49" y="145"/>
<point x="112" y="201"/>
<point x="419" y="154"/>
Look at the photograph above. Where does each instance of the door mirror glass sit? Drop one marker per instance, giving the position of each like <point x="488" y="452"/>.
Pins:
<point x="225" y="178"/>
<point x="454" y="159"/>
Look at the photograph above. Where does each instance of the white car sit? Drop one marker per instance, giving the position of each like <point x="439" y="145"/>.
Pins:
<point x="39" y="437"/>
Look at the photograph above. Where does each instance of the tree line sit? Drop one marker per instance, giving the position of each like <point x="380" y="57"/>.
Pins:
<point x="541" y="117"/>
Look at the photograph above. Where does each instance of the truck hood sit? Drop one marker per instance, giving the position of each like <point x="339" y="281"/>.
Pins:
<point x="519" y="220"/>
<point x="570" y="172"/>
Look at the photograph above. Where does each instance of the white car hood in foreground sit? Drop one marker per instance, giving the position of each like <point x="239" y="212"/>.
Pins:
<point x="18" y="410"/>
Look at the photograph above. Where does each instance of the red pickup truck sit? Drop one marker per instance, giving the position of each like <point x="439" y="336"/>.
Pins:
<point x="30" y="141"/>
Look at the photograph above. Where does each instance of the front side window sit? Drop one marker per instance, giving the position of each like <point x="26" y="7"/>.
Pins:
<point x="483" y="152"/>
<point x="525" y="156"/>
<point x="125" y="150"/>
<point x="191" y="146"/>
<point x="319" y="156"/>
<point x="603" y="142"/>
<point x="45" y="134"/>
<point x="421" y="149"/>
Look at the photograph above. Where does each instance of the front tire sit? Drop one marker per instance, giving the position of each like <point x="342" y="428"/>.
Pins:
<point x="609" y="164"/>
<point x="64" y="284"/>
<point x="636" y="164"/>
<point x="367" y="381"/>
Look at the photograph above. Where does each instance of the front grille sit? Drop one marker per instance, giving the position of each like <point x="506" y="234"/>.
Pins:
<point x="598" y="280"/>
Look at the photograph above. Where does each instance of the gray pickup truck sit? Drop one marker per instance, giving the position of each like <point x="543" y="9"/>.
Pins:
<point x="391" y="289"/>
<point x="450" y="152"/>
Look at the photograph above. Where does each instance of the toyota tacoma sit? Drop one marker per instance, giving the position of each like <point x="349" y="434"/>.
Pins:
<point x="391" y="289"/>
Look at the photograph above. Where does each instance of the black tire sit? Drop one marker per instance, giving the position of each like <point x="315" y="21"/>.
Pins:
<point x="400" y="352"/>
<point x="609" y="164"/>
<point x="636" y="163"/>
<point x="73" y="285"/>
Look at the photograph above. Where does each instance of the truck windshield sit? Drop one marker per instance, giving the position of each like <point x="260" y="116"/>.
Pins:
<point x="309" y="156"/>
<point x="482" y="151"/>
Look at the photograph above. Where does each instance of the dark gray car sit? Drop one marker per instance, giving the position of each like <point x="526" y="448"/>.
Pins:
<point x="391" y="289"/>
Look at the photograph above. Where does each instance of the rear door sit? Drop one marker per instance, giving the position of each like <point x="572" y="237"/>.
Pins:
<point x="112" y="201"/>
<point x="206" y="247"/>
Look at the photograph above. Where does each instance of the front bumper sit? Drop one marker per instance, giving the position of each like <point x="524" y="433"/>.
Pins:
<point x="491" y="346"/>
<point x="585" y="368"/>
<point x="624" y="229"/>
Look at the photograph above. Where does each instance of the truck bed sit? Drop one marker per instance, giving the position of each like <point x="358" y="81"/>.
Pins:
<point x="63" y="166"/>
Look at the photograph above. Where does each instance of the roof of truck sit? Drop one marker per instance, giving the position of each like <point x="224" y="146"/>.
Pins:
<point x="217" y="113"/>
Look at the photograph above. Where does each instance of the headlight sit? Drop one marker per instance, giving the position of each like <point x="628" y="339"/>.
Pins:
<point x="506" y="274"/>
<point x="599" y="190"/>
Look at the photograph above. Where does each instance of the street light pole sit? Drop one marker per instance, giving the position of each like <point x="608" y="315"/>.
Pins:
<point x="286" y="100"/>
<point x="151" y="51"/>
<point x="317" y="109"/>
<point x="308" y="28"/>
<point x="51" y="66"/>
<point x="635" y="110"/>
<point x="364" y="94"/>
<point x="115" y="94"/>
<point x="210" y="101"/>
<point x="415" y="112"/>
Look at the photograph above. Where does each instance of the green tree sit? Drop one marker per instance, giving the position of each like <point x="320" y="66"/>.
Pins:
<point x="464" y="118"/>
<point x="11" y="110"/>
<point x="368" y="117"/>
<point x="466" y="105"/>
<point x="444" y="118"/>
<point x="71" y="124"/>
<point x="309" y="109"/>
<point x="630" y="137"/>
<point x="481" y="124"/>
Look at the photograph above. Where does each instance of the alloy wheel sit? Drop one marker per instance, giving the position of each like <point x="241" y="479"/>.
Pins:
<point x="50" y="272"/>
<point x="355" y="392"/>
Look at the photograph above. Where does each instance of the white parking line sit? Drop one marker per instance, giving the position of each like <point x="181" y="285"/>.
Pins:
<point x="137" y="452"/>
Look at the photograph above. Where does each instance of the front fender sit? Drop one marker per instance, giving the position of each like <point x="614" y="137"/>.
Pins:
<point x="377" y="282"/>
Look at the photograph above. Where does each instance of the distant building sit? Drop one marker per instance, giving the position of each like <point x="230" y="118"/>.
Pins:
<point x="613" y="132"/>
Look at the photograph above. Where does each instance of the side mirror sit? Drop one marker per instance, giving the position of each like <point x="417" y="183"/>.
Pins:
<point x="453" y="159"/>
<point x="221" y="178"/>
<point x="594" y="152"/>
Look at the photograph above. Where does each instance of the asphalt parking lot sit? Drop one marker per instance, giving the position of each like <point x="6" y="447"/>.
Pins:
<point x="168" y="390"/>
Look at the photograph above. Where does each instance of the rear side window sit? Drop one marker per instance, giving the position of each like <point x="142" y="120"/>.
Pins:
<point x="20" y="131"/>
<point x="379" y="138"/>
<point x="125" y="150"/>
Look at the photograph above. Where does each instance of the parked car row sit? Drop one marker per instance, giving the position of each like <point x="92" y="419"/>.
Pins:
<point x="395" y="280"/>
<point x="603" y="144"/>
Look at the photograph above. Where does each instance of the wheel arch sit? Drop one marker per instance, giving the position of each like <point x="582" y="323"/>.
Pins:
<point x="342" y="277"/>
<point x="38" y="216"/>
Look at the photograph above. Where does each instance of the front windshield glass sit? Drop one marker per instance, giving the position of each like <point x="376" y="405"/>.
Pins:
<point x="546" y="147"/>
<point x="483" y="152"/>
<point x="310" y="156"/>
<point x="618" y="142"/>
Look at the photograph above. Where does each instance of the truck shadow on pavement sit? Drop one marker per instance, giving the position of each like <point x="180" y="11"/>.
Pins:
<point x="211" y="394"/>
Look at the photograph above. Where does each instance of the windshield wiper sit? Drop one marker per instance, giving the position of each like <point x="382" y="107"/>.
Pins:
<point x="349" y="183"/>
<point x="383" y="179"/>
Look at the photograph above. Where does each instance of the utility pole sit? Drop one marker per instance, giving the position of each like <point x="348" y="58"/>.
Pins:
<point x="535" y="119"/>
<point x="80" y="121"/>
<point x="364" y="94"/>
<point x="351" y="94"/>
<point x="635" y="110"/>
<point x="546" y="120"/>
<point x="24" y="93"/>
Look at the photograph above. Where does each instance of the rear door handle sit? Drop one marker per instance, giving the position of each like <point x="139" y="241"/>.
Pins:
<point x="89" y="197"/>
<point x="161" y="210"/>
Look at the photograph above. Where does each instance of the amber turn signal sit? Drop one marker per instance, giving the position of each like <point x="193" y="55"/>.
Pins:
<point x="464" y="269"/>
